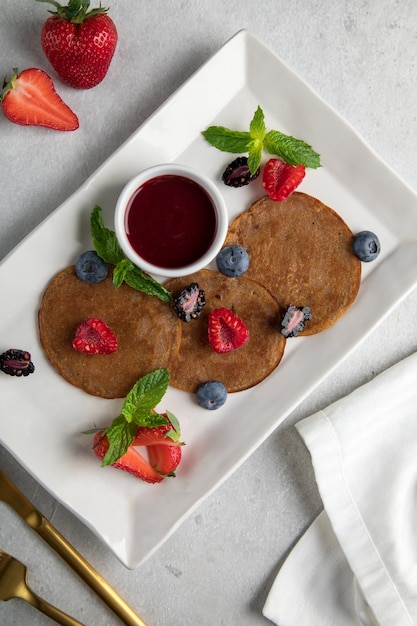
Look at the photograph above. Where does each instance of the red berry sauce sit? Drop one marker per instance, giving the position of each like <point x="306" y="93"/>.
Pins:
<point x="171" y="221"/>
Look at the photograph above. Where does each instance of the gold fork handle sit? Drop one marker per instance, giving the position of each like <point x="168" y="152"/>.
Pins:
<point x="48" y="609"/>
<point x="86" y="572"/>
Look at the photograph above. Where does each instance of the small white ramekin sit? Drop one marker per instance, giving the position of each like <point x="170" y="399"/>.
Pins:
<point x="179" y="170"/>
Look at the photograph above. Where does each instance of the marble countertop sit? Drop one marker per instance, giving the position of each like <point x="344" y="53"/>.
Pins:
<point x="218" y="566"/>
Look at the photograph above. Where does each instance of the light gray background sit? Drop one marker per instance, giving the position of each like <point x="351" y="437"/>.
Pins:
<point x="360" y="56"/>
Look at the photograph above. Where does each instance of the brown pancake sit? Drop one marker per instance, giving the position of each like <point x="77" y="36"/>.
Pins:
<point x="244" y="367"/>
<point x="301" y="250"/>
<point x="147" y="332"/>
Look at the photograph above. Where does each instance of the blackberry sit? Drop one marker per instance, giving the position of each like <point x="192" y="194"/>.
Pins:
<point x="232" y="261"/>
<point x="90" y="268"/>
<point x="211" y="394"/>
<point x="294" y="320"/>
<point x="237" y="174"/>
<point x="189" y="304"/>
<point x="16" y="363"/>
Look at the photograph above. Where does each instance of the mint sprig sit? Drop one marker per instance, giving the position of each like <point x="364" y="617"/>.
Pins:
<point x="290" y="149"/>
<point x="137" y="411"/>
<point x="108" y="248"/>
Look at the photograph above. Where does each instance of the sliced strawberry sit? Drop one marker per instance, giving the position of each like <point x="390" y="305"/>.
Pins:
<point x="154" y="436"/>
<point x="163" y="447"/>
<point x="280" y="179"/>
<point x="226" y="331"/>
<point x="132" y="462"/>
<point x="165" y="458"/>
<point x="93" y="336"/>
<point x="30" y="99"/>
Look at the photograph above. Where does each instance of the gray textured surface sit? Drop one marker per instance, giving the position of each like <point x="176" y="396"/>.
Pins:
<point x="361" y="57"/>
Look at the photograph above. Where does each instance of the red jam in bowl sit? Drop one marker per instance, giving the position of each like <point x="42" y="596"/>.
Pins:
<point x="170" y="221"/>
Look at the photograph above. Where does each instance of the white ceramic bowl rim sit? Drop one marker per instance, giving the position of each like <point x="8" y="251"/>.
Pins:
<point x="179" y="170"/>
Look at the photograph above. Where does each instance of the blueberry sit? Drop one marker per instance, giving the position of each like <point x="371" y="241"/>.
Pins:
<point x="211" y="395"/>
<point x="90" y="268"/>
<point x="232" y="261"/>
<point x="366" y="246"/>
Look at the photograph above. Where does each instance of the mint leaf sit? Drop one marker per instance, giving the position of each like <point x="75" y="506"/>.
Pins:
<point x="227" y="140"/>
<point x="108" y="248"/>
<point x="141" y="281"/>
<point x="120" y="435"/>
<point x="147" y="392"/>
<point x="257" y="132"/>
<point x="120" y="270"/>
<point x="137" y="410"/>
<point x="291" y="150"/>
<point x="105" y="240"/>
<point x="255" y="155"/>
<point x="175" y="432"/>
<point x="257" y="127"/>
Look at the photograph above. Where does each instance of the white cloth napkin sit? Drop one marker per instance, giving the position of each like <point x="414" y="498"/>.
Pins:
<point x="357" y="563"/>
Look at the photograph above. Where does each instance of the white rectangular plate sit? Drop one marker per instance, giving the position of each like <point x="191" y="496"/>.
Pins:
<point x="42" y="416"/>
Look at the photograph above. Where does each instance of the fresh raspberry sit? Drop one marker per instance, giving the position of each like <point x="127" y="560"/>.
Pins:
<point x="93" y="336"/>
<point x="226" y="331"/>
<point x="280" y="179"/>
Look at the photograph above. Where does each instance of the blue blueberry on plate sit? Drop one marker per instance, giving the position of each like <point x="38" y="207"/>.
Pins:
<point x="211" y="394"/>
<point x="232" y="261"/>
<point x="366" y="246"/>
<point x="90" y="268"/>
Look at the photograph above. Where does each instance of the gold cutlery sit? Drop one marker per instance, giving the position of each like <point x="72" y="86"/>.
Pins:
<point x="13" y="584"/>
<point x="12" y="496"/>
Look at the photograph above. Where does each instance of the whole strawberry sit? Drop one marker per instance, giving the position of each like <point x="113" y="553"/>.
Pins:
<point x="79" y="43"/>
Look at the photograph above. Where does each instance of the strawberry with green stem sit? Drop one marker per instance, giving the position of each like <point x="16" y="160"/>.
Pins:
<point x="30" y="99"/>
<point x="79" y="43"/>
<point x="138" y="425"/>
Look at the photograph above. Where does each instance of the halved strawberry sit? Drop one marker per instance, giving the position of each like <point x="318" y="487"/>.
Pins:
<point x="30" y="99"/>
<point x="93" y="336"/>
<point x="132" y="462"/>
<point x="226" y="331"/>
<point x="154" y="436"/>
<point x="280" y="179"/>
<point x="163" y="447"/>
<point x="165" y="458"/>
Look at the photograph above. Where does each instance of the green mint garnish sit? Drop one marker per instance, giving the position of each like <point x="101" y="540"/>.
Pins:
<point x="138" y="410"/>
<point x="227" y="140"/>
<point x="108" y="248"/>
<point x="120" y="436"/>
<point x="104" y="239"/>
<point x="175" y="431"/>
<point x="289" y="149"/>
<point x="144" y="396"/>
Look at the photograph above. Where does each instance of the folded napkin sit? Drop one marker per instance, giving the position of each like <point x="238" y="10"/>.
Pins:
<point x="357" y="563"/>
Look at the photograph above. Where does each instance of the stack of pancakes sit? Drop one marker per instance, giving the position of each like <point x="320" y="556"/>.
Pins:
<point x="300" y="254"/>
